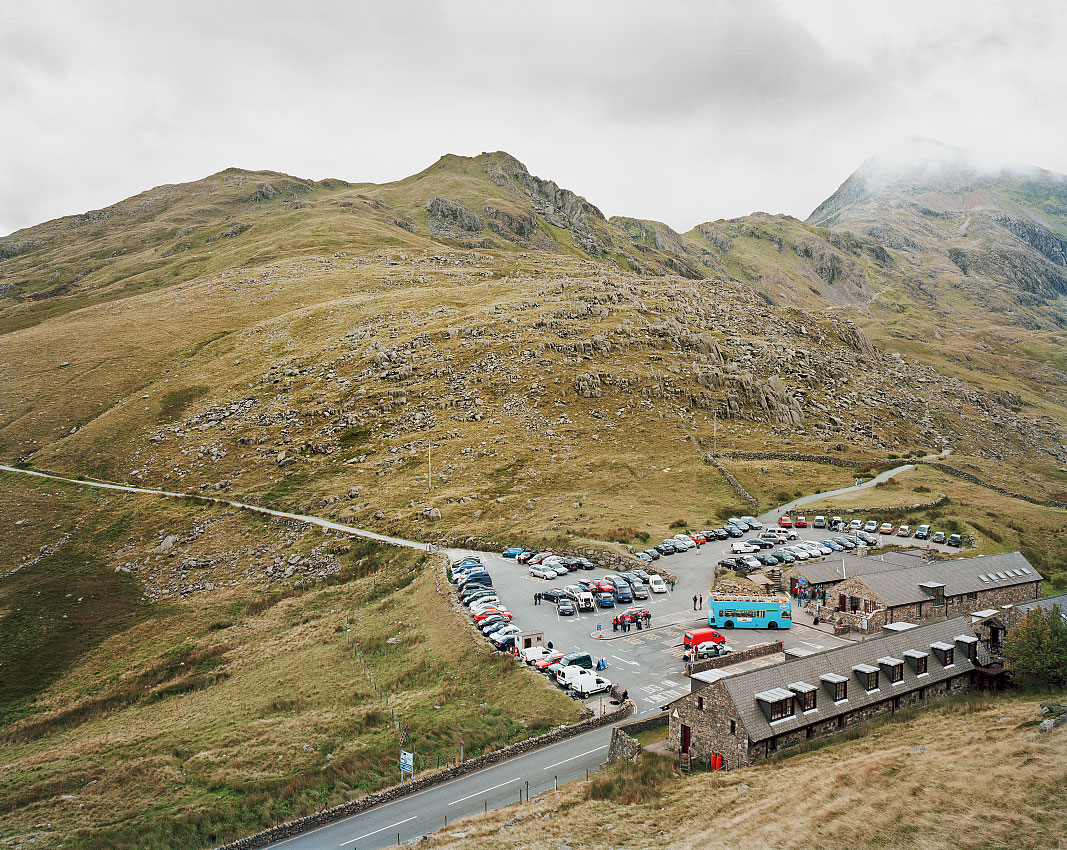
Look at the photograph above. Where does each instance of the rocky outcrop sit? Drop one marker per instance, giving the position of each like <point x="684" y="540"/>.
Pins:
<point x="454" y="213"/>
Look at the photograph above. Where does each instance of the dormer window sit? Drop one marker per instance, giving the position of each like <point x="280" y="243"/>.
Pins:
<point x="868" y="676"/>
<point x="893" y="667"/>
<point x="782" y="709"/>
<point x="836" y="684"/>
<point x="917" y="660"/>
<point x="945" y="653"/>
<point x="805" y="695"/>
<point x="968" y="645"/>
<point x="776" y="704"/>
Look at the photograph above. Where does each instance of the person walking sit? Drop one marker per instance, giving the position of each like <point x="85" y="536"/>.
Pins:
<point x="694" y="602"/>
<point x="672" y="585"/>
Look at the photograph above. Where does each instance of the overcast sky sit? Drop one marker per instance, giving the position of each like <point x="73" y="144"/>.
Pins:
<point x="677" y="111"/>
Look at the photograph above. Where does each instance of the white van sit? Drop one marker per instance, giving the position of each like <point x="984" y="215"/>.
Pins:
<point x="656" y="584"/>
<point x="566" y="676"/>
<point x="588" y="684"/>
<point x="586" y="601"/>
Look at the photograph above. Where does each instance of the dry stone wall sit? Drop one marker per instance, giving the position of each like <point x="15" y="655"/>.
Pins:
<point x="758" y="651"/>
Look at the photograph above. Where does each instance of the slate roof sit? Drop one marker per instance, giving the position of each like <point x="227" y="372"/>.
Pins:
<point x="901" y="586"/>
<point x="743" y="687"/>
<point x="840" y="567"/>
<point x="1046" y="604"/>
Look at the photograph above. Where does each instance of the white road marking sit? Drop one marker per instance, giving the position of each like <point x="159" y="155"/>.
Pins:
<point x="383" y="829"/>
<point x="572" y="758"/>
<point x="484" y="791"/>
<point x="626" y="661"/>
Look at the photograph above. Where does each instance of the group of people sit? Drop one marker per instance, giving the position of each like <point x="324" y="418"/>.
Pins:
<point x="698" y="601"/>
<point x="624" y="622"/>
<point x="802" y="595"/>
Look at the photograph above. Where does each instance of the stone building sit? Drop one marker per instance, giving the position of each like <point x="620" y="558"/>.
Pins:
<point x="992" y="624"/>
<point x="878" y="590"/>
<point x="828" y="573"/>
<point x="750" y="716"/>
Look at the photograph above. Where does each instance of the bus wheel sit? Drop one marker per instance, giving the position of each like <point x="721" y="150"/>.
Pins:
<point x="729" y="624"/>
<point x="772" y="625"/>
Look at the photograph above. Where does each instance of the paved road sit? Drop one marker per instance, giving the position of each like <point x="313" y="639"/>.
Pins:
<point x="491" y="788"/>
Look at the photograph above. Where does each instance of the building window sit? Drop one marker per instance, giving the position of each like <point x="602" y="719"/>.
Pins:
<point x="700" y="703"/>
<point x="782" y="709"/>
<point x="896" y="673"/>
<point x="949" y="657"/>
<point x="733" y="727"/>
<point x="872" y="681"/>
<point x="840" y="690"/>
<point x="972" y="597"/>
<point x="841" y="722"/>
<point x="807" y="701"/>
<point x="920" y="665"/>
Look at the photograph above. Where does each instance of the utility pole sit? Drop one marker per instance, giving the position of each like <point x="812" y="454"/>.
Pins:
<point x="429" y="466"/>
<point x="715" y="431"/>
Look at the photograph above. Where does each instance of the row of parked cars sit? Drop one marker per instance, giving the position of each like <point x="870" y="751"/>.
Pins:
<point x="751" y="555"/>
<point x="475" y="588"/>
<point x="604" y="592"/>
<point x="573" y="671"/>
<point x="872" y="526"/>
<point x="683" y="542"/>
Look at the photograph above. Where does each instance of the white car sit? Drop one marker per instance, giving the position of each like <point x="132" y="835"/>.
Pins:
<point x="588" y="684"/>
<point x="819" y="549"/>
<point x="485" y="597"/>
<point x="798" y="552"/>
<point x="740" y="548"/>
<point x="538" y="571"/>
<point x="509" y="629"/>
<point x="480" y="607"/>
<point x="553" y="562"/>
<point x="656" y="584"/>
<point x="534" y="653"/>
<point x="856" y="524"/>
<point x="684" y="541"/>
<point x="586" y="601"/>
<point x="566" y="676"/>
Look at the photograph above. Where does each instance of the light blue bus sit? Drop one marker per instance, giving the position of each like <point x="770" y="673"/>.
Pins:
<point x="749" y="612"/>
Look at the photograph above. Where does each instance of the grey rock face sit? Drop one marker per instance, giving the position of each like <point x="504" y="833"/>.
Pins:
<point x="454" y="213"/>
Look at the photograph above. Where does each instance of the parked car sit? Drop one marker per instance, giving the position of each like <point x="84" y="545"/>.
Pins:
<point x="524" y="557"/>
<point x="833" y="545"/>
<point x="542" y="572"/>
<point x="491" y="624"/>
<point x="749" y="562"/>
<point x="904" y="531"/>
<point x="939" y="537"/>
<point x="845" y="541"/>
<point x="871" y="526"/>
<point x="719" y="534"/>
<point x="819" y="522"/>
<point x="512" y="552"/>
<point x="785" y="556"/>
<point x="856" y="525"/>
<point x="697" y="537"/>
<point x="743" y="548"/>
<point x="639" y="591"/>
<point x="504" y="644"/>
<point x="664" y="549"/>
<point x="713" y="650"/>
<point x="653" y="554"/>
<point x="502" y="631"/>
<point x="656" y="584"/>
<point x="922" y="532"/>
<point x="565" y="608"/>
<point x="785" y="522"/>
<point x="586" y="564"/>
<point x="567" y="674"/>
<point x="500" y="612"/>
<point x="544" y="663"/>
<point x="539" y="557"/>
<point x="684" y="542"/>
<point x="885" y="528"/>
<point x="766" y="559"/>
<point x="553" y="595"/>
<point x="586" y="602"/>
<point x="800" y="522"/>
<point x="534" y="653"/>
<point x="730" y="563"/>
<point x="644" y="556"/>
<point x="955" y="540"/>
<point x="760" y="543"/>
<point x="753" y="523"/>
<point x="605" y="599"/>
<point x="797" y="552"/>
<point x="867" y="538"/>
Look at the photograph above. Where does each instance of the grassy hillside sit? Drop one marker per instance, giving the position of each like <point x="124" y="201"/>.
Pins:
<point x="213" y="713"/>
<point x="974" y="771"/>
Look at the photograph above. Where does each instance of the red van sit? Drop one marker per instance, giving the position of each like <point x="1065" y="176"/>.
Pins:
<point x="695" y="637"/>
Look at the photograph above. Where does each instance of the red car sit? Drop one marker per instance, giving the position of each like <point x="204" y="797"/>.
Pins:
<point x="538" y="558"/>
<point x="698" y="537"/>
<point x="548" y="660"/>
<point x="800" y="522"/>
<point x="632" y="614"/>
<point x="604" y="586"/>
<point x="489" y="612"/>
<point x="785" y="522"/>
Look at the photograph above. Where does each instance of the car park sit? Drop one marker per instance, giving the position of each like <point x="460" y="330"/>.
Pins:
<point x="939" y="537"/>
<point x="871" y="526"/>
<point x="922" y="532"/>
<point x="904" y="531"/>
<point x="656" y="584"/>
<point x="512" y="552"/>
<point x="819" y="522"/>
<point x="785" y="522"/>
<point x="955" y="540"/>
<point x="885" y="528"/>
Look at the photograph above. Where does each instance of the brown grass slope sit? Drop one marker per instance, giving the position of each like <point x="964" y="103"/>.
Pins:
<point x="984" y="778"/>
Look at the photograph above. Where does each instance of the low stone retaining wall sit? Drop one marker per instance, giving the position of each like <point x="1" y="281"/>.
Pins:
<point x="421" y="783"/>
<point x="624" y="746"/>
<point x="974" y="479"/>
<point x="895" y="510"/>
<point x="741" y="492"/>
<point x="804" y="458"/>
<point x="757" y="651"/>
